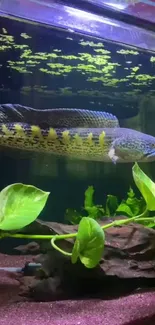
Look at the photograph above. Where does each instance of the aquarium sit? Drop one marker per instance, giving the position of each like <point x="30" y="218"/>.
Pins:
<point x="77" y="158"/>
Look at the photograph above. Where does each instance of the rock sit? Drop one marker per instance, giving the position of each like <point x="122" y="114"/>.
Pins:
<point x="128" y="264"/>
<point x="30" y="248"/>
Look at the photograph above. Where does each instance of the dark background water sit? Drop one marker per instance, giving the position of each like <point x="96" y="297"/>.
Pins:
<point x="64" y="70"/>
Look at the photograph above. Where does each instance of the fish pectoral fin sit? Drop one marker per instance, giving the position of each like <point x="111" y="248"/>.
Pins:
<point x="112" y="155"/>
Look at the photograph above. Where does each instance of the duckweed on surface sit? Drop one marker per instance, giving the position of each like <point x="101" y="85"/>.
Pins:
<point x="93" y="67"/>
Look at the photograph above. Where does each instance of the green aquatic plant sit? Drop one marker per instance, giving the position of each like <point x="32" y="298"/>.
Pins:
<point x="96" y="66"/>
<point x="111" y="205"/>
<point x="135" y="69"/>
<point x="146" y="186"/>
<point x="91" y="44"/>
<point x="93" y="210"/>
<point x="152" y="59"/>
<point x="24" y="35"/>
<point x="89" y="243"/>
<point x="21" y="204"/>
<point x="89" y="209"/>
<point x="126" y="52"/>
<point x="130" y="207"/>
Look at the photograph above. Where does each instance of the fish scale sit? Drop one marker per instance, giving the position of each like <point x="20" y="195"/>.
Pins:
<point x="81" y="143"/>
<point x="64" y="117"/>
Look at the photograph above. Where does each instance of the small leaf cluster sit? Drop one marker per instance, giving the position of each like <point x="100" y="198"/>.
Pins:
<point x="131" y="206"/>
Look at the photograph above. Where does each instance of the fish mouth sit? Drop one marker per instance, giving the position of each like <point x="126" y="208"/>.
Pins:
<point x="150" y="156"/>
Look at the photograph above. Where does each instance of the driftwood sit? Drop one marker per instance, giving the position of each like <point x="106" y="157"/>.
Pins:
<point x="128" y="264"/>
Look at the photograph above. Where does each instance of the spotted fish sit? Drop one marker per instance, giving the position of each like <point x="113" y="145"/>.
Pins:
<point x="80" y="134"/>
<point x="64" y="117"/>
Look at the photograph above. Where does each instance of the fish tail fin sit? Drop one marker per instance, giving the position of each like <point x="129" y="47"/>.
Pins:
<point x="13" y="113"/>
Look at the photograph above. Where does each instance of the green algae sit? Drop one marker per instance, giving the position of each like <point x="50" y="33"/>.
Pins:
<point x="152" y="59"/>
<point x="127" y="52"/>
<point x="25" y="36"/>
<point x="4" y="47"/>
<point x="94" y="64"/>
<point x="135" y="69"/>
<point x="144" y="77"/>
<point x="91" y="44"/>
<point x="4" y="31"/>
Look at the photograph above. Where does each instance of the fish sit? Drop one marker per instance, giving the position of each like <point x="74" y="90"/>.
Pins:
<point x="58" y="117"/>
<point x="105" y="142"/>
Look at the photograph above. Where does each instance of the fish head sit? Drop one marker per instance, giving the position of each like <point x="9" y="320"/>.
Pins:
<point x="133" y="146"/>
<point x="148" y="148"/>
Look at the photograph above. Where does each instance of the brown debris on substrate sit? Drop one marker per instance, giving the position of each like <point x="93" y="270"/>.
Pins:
<point x="128" y="263"/>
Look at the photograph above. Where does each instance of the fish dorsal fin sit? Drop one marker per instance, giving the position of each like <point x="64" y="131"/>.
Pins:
<point x="58" y="117"/>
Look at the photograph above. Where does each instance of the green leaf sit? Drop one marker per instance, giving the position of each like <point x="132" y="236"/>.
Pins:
<point x="145" y="185"/>
<point x="73" y="216"/>
<point x="136" y="205"/>
<point x="132" y="206"/>
<point x="89" y="244"/>
<point x="95" y="212"/>
<point x="92" y="211"/>
<point x="149" y="223"/>
<point x="131" y="193"/>
<point x="20" y="205"/>
<point x="124" y="209"/>
<point x="75" y="251"/>
<point x="89" y="193"/>
<point x="111" y="205"/>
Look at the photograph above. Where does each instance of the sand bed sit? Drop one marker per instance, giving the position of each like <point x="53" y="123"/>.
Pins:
<point x="137" y="309"/>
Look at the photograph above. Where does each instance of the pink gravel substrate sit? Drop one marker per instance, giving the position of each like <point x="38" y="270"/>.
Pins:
<point x="135" y="309"/>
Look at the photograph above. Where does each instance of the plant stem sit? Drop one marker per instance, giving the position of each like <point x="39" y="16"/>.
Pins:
<point x="45" y="237"/>
<point x="59" y="249"/>
<point x="25" y="236"/>
<point x="147" y="219"/>
<point x="72" y="235"/>
<point x="125" y="221"/>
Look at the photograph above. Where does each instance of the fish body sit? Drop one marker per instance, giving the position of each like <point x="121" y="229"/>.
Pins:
<point x="57" y="118"/>
<point x="112" y="144"/>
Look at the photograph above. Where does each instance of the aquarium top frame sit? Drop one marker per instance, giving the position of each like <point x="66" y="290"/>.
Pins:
<point x="140" y="9"/>
<point x="54" y="13"/>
